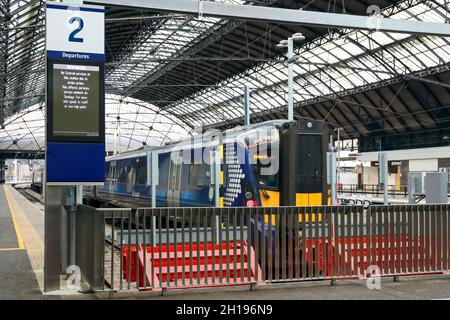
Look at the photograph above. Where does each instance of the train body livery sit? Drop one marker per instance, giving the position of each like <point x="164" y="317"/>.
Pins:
<point x="274" y="163"/>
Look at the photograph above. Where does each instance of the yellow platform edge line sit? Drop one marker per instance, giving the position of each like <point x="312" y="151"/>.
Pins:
<point x="13" y="216"/>
<point x="11" y="249"/>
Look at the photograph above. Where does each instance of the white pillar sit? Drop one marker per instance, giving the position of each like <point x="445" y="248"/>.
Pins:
<point x="338" y="163"/>
<point x="383" y="174"/>
<point x="246" y="105"/>
<point x="217" y="177"/>
<point x="290" y="80"/>
<point x="16" y="170"/>
<point x="331" y="176"/>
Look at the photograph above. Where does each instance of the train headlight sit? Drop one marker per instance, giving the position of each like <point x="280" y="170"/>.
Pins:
<point x="248" y="195"/>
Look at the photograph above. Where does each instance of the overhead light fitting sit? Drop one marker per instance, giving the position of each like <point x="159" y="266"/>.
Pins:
<point x="298" y="37"/>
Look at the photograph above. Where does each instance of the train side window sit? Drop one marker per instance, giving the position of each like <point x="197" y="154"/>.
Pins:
<point x="123" y="174"/>
<point x="142" y="175"/>
<point x="131" y="176"/>
<point x="111" y="170"/>
<point x="197" y="175"/>
<point x="108" y="169"/>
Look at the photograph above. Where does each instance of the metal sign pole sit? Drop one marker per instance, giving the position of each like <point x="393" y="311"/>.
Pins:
<point x="153" y="180"/>
<point x="52" y="241"/>
<point x="217" y="181"/>
<point x="383" y="175"/>
<point x="153" y="176"/>
<point x="331" y="176"/>
<point x="217" y="178"/>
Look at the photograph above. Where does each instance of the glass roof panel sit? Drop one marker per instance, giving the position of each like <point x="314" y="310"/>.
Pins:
<point x="355" y="59"/>
<point x="129" y="123"/>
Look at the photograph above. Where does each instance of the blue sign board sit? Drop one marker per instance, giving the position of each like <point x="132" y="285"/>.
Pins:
<point x="75" y="110"/>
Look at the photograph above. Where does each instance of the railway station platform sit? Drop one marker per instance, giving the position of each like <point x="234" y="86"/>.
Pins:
<point x="22" y="260"/>
<point x="409" y="288"/>
<point x="21" y="246"/>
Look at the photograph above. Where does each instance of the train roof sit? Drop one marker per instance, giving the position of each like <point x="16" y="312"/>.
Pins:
<point x="230" y="134"/>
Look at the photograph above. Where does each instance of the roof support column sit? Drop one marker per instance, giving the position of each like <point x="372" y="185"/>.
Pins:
<point x="290" y="79"/>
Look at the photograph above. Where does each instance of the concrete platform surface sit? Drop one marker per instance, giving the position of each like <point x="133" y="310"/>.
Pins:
<point x="18" y="281"/>
<point x="8" y="233"/>
<point x="21" y="271"/>
<point x="17" y="276"/>
<point x="413" y="288"/>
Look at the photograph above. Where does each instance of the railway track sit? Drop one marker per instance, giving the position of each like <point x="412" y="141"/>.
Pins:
<point x="32" y="196"/>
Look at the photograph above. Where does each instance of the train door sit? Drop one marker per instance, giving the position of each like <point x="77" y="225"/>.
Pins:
<point x="303" y="171"/>
<point x="308" y="175"/>
<point x="174" y="181"/>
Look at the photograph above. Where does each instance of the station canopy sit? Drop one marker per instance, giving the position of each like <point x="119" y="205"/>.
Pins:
<point x="169" y="73"/>
<point x="130" y="124"/>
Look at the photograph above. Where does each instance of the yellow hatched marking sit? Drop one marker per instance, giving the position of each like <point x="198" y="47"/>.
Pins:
<point x="13" y="216"/>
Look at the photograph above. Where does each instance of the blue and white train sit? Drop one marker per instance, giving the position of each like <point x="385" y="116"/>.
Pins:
<point x="273" y="163"/>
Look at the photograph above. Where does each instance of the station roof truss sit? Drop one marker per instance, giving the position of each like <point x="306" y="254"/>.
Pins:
<point x="192" y="69"/>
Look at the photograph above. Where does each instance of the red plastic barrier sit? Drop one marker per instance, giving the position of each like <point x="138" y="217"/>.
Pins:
<point x="349" y="253"/>
<point x="198" y="264"/>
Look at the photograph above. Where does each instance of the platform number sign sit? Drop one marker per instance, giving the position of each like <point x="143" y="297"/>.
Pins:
<point x="73" y="35"/>
<point x="75" y="87"/>
<point x="75" y="32"/>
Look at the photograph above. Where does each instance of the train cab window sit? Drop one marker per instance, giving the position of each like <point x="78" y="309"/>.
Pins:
<point x="197" y="175"/>
<point x="261" y="165"/>
<point x="142" y="175"/>
<point x="123" y="175"/>
<point x="265" y="181"/>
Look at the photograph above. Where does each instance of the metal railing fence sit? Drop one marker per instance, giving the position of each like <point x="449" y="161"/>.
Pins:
<point x="373" y="189"/>
<point x="165" y="248"/>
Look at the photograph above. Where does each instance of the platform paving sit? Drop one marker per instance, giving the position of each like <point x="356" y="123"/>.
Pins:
<point x="18" y="281"/>
<point x="17" y="277"/>
<point x="21" y="271"/>
<point x="424" y="288"/>
<point x="8" y="236"/>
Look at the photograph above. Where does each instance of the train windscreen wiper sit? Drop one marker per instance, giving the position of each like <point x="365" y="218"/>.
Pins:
<point x="260" y="187"/>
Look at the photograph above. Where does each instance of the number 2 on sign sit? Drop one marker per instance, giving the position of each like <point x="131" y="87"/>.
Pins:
<point x="72" y="35"/>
